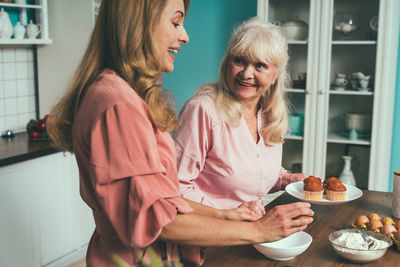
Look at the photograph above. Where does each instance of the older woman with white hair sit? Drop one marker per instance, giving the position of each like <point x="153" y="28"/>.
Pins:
<point x="229" y="142"/>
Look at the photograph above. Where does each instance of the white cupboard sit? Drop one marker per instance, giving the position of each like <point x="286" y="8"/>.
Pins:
<point x="44" y="222"/>
<point x="325" y="53"/>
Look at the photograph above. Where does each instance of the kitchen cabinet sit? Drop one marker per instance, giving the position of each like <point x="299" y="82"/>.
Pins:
<point x="44" y="222"/>
<point x="37" y="12"/>
<point x="326" y="52"/>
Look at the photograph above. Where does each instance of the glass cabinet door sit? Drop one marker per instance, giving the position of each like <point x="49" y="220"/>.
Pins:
<point x="351" y="69"/>
<point x="297" y="19"/>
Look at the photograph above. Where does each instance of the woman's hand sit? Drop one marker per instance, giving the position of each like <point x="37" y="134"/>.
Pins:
<point x="290" y="177"/>
<point x="247" y="211"/>
<point x="281" y="221"/>
<point x="254" y="206"/>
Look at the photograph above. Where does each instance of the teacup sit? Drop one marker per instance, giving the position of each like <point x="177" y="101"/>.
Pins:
<point x="364" y="82"/>
<point x="341" y="81"/>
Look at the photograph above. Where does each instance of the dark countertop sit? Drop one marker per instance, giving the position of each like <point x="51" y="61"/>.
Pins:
<point x="19" y="148"/>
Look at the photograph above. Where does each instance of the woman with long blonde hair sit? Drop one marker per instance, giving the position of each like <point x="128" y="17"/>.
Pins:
<point x="115" y="118"/>
<point x="229" y="144"/>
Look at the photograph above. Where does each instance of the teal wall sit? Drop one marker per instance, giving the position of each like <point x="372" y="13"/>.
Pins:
<point x="209" y="25"/>
<point x="395" y="157"/>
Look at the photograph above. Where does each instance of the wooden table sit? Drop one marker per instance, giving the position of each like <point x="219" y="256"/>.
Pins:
<point x="327" y="219"/>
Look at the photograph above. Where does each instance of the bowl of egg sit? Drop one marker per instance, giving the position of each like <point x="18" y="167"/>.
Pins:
<point x="385" y="225"/>
<point x="350" y="244"/>
<point x="287" y="248"/>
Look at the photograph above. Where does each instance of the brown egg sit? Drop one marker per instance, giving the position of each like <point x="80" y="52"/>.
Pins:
<point x="397" y="236"/>
<point x="374" y="225"/>
<point x="301" y="217"/>
<point x="361" y="220"/>
<point x="388" y="229"/>
<point x="387" y="220"/>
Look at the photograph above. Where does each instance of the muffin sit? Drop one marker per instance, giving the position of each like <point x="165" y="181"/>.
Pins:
<point x="335" y="191"/>
<point x="330" y="180"/>
<point x="312" y="179"/>
<point x="313" y="189"/>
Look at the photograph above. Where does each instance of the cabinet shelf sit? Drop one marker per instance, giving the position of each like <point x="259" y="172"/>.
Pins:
<point x="295" y="90"/>
<point x="295" y="42"/>
<point x="294" y="137"/>
<point x="20" y="6"/>
<point x="349" y="92"/>
<point x="341" y="139"/>
<point x="360" y="42"/>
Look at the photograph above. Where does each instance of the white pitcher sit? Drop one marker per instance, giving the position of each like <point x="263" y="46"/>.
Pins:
<point x="33" y="30"/>
<point x="6" y="29"/>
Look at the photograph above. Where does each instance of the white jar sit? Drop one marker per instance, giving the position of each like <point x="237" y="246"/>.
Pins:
<point x="6" y="29"/>
<point x="19" y="31"/>
<point x="396" y="194"/>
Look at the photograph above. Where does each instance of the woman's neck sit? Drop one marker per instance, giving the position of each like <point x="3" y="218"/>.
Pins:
<point x="250" y="110"/>
<point x="250" y="116"/>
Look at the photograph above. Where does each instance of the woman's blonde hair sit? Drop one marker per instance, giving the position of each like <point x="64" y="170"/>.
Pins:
<point x="123" y="41"/>
<point x="258" y="41"/>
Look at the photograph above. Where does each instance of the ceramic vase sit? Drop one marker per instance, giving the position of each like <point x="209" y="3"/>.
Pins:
<point x="6" y="29"/>
<point x="347" y="176"/>
<point x="19" y="31"/>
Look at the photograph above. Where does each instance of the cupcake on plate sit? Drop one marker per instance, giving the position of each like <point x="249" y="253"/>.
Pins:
<point x="330" y="180"/>
<point x="335" y="191"/>
<point x="313" y="188"/>
<point x="312" y="179"/>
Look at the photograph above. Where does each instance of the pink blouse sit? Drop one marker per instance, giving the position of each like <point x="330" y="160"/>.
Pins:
<point x="127" y="173"/>
<point x="220" y="165"/>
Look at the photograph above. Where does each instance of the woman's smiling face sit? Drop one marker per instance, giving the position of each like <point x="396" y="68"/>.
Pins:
<point x="170" y="33"/>
<point x="249" y="80"/>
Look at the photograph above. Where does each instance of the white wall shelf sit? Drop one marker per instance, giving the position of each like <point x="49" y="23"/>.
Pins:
<point x="40" y="17"/>
<point x="19" y="5"/>
<point x="25" y="41"/>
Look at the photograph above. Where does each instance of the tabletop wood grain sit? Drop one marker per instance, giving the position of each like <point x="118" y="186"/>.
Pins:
<point x="327" y="219"/>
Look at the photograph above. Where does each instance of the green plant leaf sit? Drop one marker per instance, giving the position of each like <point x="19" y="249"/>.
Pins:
<point x="119" y="262"/>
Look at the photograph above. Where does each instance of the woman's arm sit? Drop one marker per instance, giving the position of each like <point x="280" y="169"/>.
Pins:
<point x="242" y="213"/>
<point x="199" y="230"/>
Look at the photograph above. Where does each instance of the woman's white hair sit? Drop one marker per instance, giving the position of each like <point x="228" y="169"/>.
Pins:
<point x="260" y="42"/>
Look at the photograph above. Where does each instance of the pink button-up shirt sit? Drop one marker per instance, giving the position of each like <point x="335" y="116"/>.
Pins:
<point x="127" y="173"/>
<point x="221" y="165"/>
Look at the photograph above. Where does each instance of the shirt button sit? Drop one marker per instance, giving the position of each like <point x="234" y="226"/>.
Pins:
<point x="264" y="178"/>
<point x="257" y="155"/>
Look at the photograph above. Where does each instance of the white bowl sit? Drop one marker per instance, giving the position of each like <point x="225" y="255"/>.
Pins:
<point x="286" y="248"/>
<point x="359" y="255"/>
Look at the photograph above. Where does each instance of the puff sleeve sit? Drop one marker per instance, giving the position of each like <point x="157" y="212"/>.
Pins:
<point x="132" y="170"/>
<point x="193" y="139"/>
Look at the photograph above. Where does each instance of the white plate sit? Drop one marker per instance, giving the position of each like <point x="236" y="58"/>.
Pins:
<point x="296" y="190"/>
